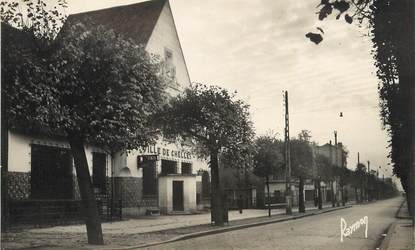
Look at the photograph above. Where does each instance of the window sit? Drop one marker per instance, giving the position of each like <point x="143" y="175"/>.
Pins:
<point x="51" y="173"/>
<point x="168" y="167"/>
<point x="99" y="169"/>
<point x="186" y="168"/>
<point x="168" y="54"/>
<point x="169" y="68"/>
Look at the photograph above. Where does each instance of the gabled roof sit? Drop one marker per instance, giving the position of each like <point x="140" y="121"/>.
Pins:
<point x="135" y="21"/>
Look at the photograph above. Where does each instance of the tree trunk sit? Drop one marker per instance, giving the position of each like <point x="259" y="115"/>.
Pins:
<point x="301" y="205"/>
<point x="217" y="212"/>
<point x="342" y="193"/>
<point x="361" y="193"/>
<point x="320" y="198"/>
<point x="269" y="198"/>
<point x="92" y="219"/>
<point x="333" y="200"/>
<point x="315" y="193"/>
<point x="356" y="195"/>
<point x="369" y="189"/>
<point x="4" y="167"/>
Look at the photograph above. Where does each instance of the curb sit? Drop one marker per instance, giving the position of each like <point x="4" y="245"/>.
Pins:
<point x="389" y="232"/>
<point x="385" y="242"/>
<point x="399" y="210"/>
<point x="230" y="228"/>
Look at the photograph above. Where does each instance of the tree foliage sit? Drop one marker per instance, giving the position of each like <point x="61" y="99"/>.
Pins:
<point x="92" y="83"/>
<point x="301" y="158"/>
<point x="349" y="10"/>
<point x="268" y="158"/>
<point x="217" y="122"/>
<point x="211" y="116"/>
<point x="34" y="16"/>
<point x="86" y="84"/>
<point x="324" y="168"/>
<point x="241" y="159"/>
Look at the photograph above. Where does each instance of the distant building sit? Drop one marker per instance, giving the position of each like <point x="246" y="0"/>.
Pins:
<point x="338" y="158"/>
<point x="336" y="154"/>
<point x="165" y="176"/>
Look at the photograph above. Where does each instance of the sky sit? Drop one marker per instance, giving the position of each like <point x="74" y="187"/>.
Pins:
<point x="259" y="49"/>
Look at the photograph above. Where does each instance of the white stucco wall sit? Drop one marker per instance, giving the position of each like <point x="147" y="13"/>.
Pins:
<point x="163" y="200"/>
<point x="20" y="151"/>
<point x="166" y="151"/>
<point x="166" y="192"/>
<point x="165" y="36"/>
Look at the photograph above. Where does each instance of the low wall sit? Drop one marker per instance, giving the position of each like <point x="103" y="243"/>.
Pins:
<point x="44" y="212"/>
<point x="129" y="190"/>
<point x="18" y="185"/>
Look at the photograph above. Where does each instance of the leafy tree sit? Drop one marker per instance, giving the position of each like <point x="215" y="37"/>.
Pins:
<point x="217" y="122"/>
<point x="304" y="135"/>
<point x="394" y="52"/>
<point x="361" y="177"/>
<point x="91" y="86"/>
<point x="353" y="180"/>
<point x="40" y="23"/>
<point x="371" y="183"/>
<point x="268" y="160"/>
<point x="34" y="17"/>
<point x="302" y="165"/>
<point x="343" y="175"/>
<point x="391" y="25"/>
<point x="324" y="172"/>
<point x="241" y="161"/>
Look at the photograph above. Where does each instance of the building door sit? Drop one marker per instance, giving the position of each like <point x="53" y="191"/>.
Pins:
<point x="178" y="196"/>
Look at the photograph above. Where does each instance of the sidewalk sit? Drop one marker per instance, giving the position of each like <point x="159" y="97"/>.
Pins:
<point x="142" y="231"/>
<point x="401" y="234"/>
<point x="164" y="222"/>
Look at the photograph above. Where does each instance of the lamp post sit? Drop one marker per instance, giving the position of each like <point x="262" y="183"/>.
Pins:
<point x="336" y="160"/>
<point x="341" y="165"/>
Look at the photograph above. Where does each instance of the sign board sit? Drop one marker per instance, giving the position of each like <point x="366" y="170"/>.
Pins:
<point x="143" y="158"/>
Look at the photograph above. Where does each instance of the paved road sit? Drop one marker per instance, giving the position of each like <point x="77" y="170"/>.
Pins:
<point x="314" y="232"/>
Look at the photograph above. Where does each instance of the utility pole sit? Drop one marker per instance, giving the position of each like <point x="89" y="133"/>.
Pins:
<point x="369" y="192"/>
<point x="377" y="183"/>
<point x="288" y="196"/>
<point x="335" y="145"/>
<point x="336" y="159"/>
<point x="333" y="201"/>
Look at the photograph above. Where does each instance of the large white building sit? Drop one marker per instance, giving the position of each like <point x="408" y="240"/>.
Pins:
<point x="165" y="176"/>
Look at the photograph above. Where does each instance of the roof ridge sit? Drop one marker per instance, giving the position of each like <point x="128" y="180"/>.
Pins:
<point x="116" y="7"/>
<point x="135" y="21"/>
